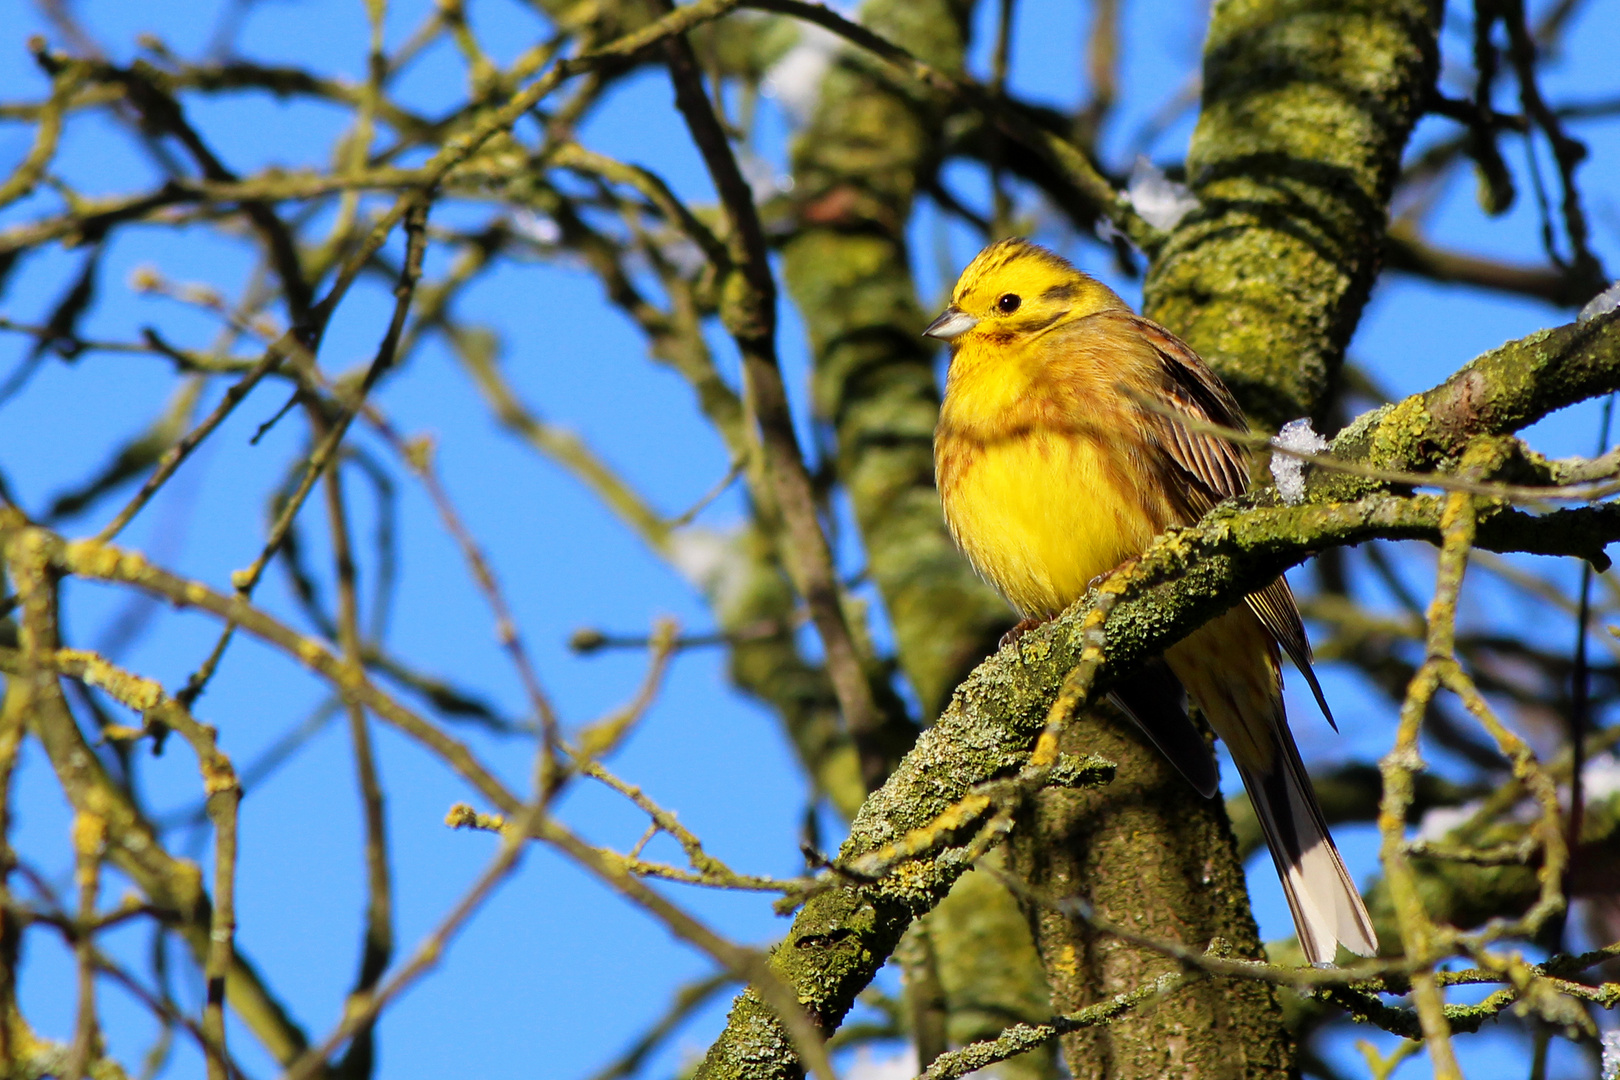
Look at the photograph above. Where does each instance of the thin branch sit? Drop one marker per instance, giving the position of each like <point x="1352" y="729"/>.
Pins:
<point x="132" y="846"/>
<point x="176" y="455"/>
<point x="750" y="316"/>
<point x="1022" y="1038"/>
<point x="1567" y="151"/>
<point x="223" y="795"/>
<point x="89" y="841"/>
<point x="364" y="1009"/>
<point x="1111" y="204"/>
<point x="107" y="563"/>
<point x="463" y="146"/>
<point x="1419" y="936"/>
<point x="377" y="944"/>
<point x="688" y="999"/>
<point x="745" y="964"/>
<point x="418" y="455"/>
<point x="65" y="84"/>
<point x="1407" y="251"/>
<point x="326" y="450"/>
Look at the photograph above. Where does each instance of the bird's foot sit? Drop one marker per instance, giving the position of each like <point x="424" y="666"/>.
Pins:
<point x="1123" y="568"/>
<point x="1019" y="631"/>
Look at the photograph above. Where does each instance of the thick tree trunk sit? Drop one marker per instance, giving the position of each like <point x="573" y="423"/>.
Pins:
<point x="1145" y="852"/>
<point x="1307" y="108"/>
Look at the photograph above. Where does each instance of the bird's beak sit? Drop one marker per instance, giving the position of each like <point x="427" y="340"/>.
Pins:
<point x="952" y="323"/>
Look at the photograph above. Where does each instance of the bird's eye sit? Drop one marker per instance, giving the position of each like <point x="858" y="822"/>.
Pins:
<point x="1008" y="303"/>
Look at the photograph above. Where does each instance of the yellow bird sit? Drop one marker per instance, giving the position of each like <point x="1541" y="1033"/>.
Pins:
<point x="1059" y="456"/>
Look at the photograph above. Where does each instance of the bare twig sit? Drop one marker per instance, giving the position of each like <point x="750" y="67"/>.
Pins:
<point x="750" y="315"/>
<point x="1022" y="1038"/>
<point x="364" y="1008"/>
<point x="744" y="964"/>
<point x="377" y="944"/>
<point x="688" y="999"/>
<point x="176" y="455"/>
<point x="1064" y="155"/>
<point x="326" y="450"/>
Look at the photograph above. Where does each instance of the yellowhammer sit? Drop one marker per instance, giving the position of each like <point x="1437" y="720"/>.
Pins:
<point x="1059" y="455"/>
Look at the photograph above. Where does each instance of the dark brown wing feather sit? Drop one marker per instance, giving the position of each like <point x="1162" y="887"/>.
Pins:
<point x="1217" y="466"/>
<point x="1275" y="606"/>
<point x="1155" y="701"/>
<point x="1218" y="469"/>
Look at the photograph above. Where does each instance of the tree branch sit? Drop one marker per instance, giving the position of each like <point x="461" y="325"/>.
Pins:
<point x="1185" y="577"/>
<point x="748" y="308"/>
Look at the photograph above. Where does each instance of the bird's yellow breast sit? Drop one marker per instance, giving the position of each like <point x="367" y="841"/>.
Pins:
<point x="1039" y="487"/>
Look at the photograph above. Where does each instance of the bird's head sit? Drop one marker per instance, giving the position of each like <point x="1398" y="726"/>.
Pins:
<point x="1014" y="288"/>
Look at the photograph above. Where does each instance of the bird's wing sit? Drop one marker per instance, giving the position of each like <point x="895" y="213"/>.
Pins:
<point x="1188" y="390"/>
<point x="1155" y="701"/>
<point x="1275" y="606"/>
<point x="1218" y="469"/>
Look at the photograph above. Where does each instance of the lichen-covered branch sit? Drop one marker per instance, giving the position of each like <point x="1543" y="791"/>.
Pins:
<point x="1306" y="109"/>
<point x="1047" y="884"/>
<point x="106" y="563"/>
<point x="1022" y="1038"/>
<point x="172" y="884"/>
<point x="868" y="147"/>
<point x="840" y="938"/>
<point x="1307" y="105"/>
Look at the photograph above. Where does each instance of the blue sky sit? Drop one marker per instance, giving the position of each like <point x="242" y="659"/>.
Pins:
<point x="556" y="974"/>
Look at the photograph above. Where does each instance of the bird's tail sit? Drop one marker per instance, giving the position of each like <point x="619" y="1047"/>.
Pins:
<point x="1230" y="668"/>
<point x="1327" y="909"/>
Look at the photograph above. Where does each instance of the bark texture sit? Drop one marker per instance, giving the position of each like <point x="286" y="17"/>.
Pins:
<point x="841" y="937"/>
<point x="1307" y="107"/>
<point x="1145" y="853"/>
<point x="990" y="975"/>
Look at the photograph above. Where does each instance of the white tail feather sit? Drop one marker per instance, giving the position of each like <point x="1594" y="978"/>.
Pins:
<point x="1327" y="909"/>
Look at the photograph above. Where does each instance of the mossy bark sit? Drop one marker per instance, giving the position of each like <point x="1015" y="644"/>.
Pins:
<point x="1307" y="106"/>
<point x="989" y="972"/>
<point x="172" y="885"/>
<point x="842" y="937"/>
<point x="1144" y="852"/>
